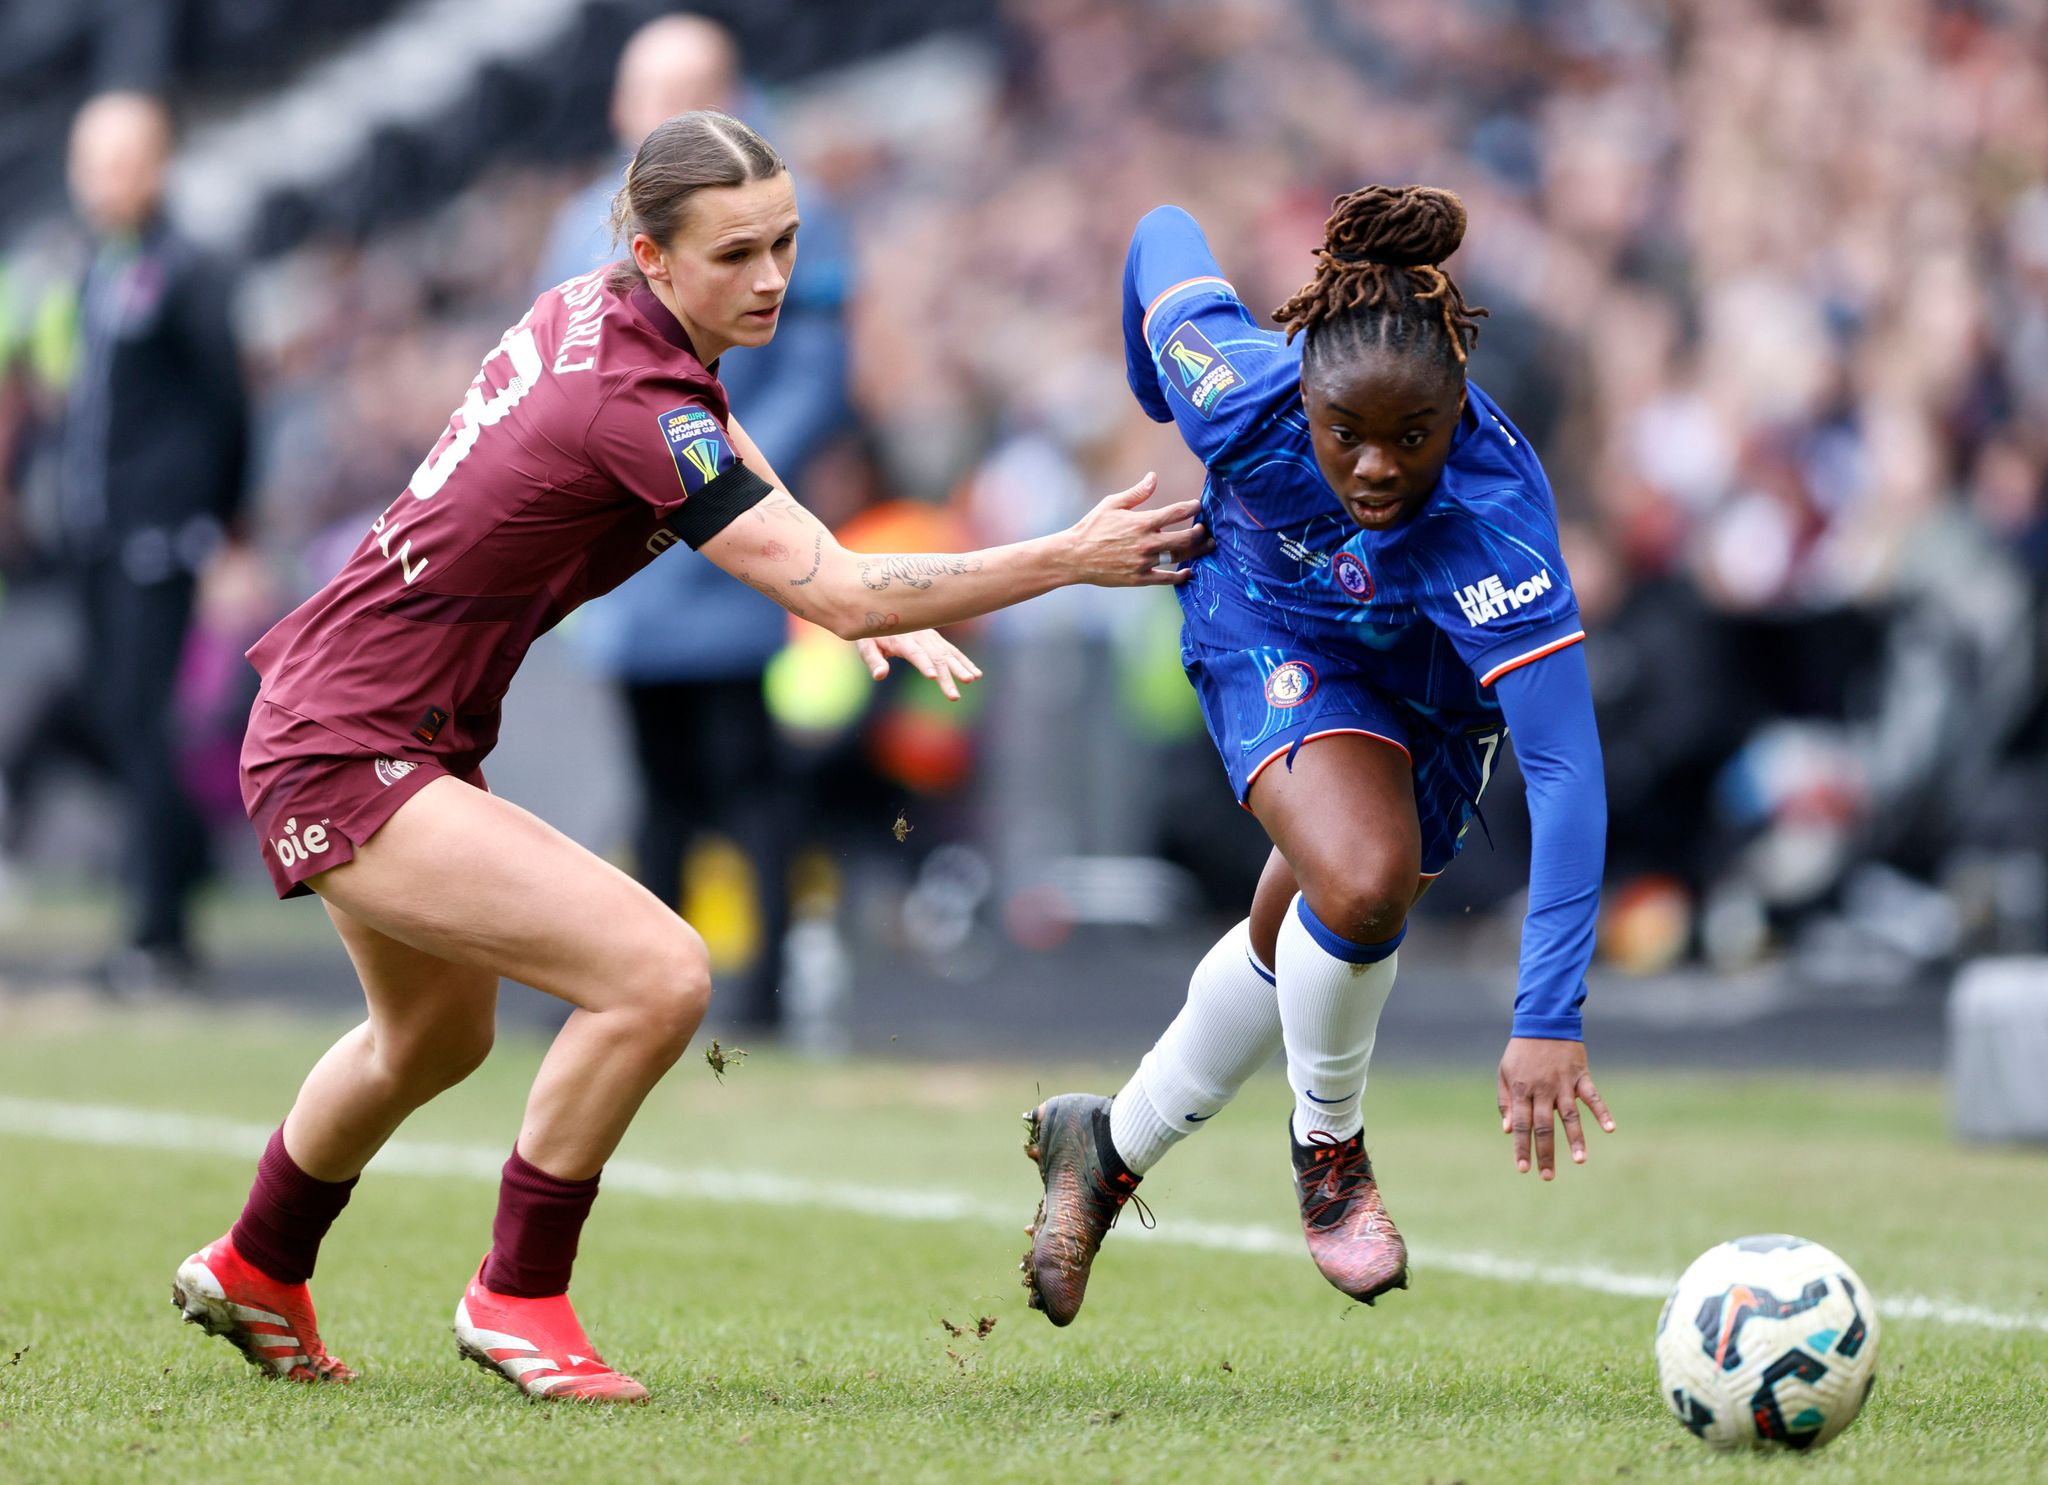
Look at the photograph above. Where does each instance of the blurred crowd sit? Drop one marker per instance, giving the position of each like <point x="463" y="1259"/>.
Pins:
<point x="1769" y="287"/>
<point x="1768" y="283"/>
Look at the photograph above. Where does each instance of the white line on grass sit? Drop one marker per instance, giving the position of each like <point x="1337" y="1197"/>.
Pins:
<point x="146" y="1129"/>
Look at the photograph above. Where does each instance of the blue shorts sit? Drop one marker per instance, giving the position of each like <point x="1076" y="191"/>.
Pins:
<point x="1261" y="704"/>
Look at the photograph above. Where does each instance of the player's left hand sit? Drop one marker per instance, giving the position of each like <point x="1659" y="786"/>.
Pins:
<point x="936" y="658"/>
<point x="1539" y="1080"/>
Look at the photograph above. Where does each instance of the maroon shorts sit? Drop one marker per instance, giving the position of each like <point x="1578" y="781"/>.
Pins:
<point x="314" y="796"/>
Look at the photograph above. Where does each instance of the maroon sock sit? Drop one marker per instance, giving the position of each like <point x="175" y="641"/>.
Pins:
<point x="287" y="1214"/>
<point x="533" y="1238"/>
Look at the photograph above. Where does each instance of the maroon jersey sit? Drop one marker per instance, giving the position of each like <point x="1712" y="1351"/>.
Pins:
<point x="590" y="442"/>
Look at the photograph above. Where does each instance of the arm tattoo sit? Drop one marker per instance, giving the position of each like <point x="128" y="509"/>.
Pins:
<point x="780" y="507"/>
<point x="817" y="560"/>
<point x="767" y="590"/>
<point x="915" y="571"/>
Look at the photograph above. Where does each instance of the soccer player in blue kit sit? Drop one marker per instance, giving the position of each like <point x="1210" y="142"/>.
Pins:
<point x="1385" y="602"/>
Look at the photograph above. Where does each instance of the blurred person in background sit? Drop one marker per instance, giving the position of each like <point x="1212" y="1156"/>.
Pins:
<point x="705" y="748"/>
<point x="152" y="452"/>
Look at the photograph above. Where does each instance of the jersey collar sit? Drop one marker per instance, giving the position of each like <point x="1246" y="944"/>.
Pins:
<point x="663" y="323"/>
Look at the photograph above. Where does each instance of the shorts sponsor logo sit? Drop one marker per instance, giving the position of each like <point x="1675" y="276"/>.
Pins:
<point x="297" y="845"/>
<point x="1489" y="598"/>
<point x="1290" y="684"/>
<point x="391" y="770"/>
<point x="1196" y="369"/>
<point x="698" y="445"/>
<point x="1352" y="576"/>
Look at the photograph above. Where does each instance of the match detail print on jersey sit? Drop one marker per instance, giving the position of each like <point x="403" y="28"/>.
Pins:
<point x="1196" y="369"/>
<point x="699" y="446"/>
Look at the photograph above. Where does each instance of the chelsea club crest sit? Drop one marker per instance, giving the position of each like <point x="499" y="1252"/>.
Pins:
<point x="1290" y="684"/>
<point x="1352" y="576"/>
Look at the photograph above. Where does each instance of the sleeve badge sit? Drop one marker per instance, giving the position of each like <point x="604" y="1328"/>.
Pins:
<point x="1196" y="369"/>
<point x="698" y="445"/>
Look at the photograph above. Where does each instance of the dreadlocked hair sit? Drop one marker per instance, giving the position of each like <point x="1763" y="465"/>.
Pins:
<point x="1379" y="281"/>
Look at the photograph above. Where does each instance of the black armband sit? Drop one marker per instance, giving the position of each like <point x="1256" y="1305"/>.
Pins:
<point x="719" y="504"/>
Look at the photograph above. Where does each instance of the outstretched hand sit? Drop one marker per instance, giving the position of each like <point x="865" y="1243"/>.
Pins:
<point x="937" y="659"/>
<point x="1116" y="545"/>
<point x="1539" y="1080"/>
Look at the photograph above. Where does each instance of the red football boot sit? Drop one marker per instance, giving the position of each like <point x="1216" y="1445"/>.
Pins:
<point x="1350" y="1236"/>
<point x="270" y="1323"/>
<point x="1086" y="1186"/>
<point x="537" y="1345"/>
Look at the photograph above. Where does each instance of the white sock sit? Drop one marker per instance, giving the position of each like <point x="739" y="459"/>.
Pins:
<point x="1228" y="1029"/>
<point x="1331" y="992"/>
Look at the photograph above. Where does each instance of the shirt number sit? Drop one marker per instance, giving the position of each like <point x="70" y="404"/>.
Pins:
<point x="478" y="412"/>
<point x="1491" y="743"/>
<point x="465" y="425"/>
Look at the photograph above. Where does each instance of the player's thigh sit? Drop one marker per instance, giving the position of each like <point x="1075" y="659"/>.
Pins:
<point x="420" y="1004"/>
<point x="1343" y="815"/>
<point x="464" y="876"/>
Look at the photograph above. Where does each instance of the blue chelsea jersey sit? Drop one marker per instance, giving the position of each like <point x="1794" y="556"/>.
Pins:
<point x="1467" y="589"/>
<point x="1440" y="616"/>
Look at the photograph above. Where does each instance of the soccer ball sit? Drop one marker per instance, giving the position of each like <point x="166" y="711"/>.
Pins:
<point x="1767" y="1341"/>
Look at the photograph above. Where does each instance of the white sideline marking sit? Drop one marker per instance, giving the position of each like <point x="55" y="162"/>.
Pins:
<point x="146" y="1129"/>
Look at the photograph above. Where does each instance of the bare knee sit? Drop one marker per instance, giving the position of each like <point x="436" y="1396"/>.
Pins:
<point x="437" y="1057"/>
<point x="1366" y="902"/>
<point x="669" y="988"/>
<point x="464" y="1051"/>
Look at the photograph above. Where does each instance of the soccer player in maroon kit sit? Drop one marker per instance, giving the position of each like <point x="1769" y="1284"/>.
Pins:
<point x="594" y="437"/>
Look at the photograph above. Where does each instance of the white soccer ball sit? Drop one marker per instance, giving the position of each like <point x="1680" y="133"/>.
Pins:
<point x="1767" y="1341"/>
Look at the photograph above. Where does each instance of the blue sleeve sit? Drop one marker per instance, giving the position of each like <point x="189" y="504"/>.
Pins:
<point x="1192" y="351"/>
<point x="1548" y="706"/>
<point x="1489" y="575"/>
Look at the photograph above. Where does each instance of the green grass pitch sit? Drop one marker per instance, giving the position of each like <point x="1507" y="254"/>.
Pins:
<point x="788" y="1300"/>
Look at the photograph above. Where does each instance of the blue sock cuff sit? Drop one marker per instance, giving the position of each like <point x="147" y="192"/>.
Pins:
<point x="1339" y="947"/>
<point x="1252" y="958"/>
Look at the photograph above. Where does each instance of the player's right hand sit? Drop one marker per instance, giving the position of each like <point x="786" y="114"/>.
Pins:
<point x="937" y="659"/>
<point x="1541" y="1080"/>
<point x="1116" y="545"/>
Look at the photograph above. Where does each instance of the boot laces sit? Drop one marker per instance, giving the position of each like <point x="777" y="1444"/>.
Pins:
<point x="1339" y="1170"/>
<point x="1117" y="1196"/>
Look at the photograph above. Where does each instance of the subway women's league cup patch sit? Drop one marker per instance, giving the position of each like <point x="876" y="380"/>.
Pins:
<point x="1196" y="369"/>
<point x="698" y="445"/>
